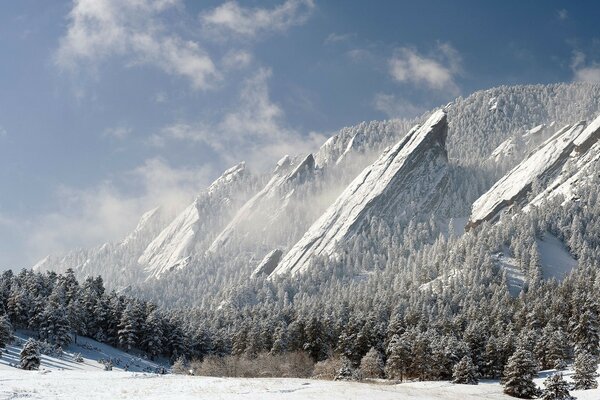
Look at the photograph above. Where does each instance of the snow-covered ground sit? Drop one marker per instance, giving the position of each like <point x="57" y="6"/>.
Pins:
<point x="64" y="378"/>
<point x="91" y="351"/>
<point x="127" y="385"/>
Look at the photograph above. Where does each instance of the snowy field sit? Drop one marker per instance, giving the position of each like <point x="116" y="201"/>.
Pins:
<point x="64" y="378"/>
<point x="134" y="385"/>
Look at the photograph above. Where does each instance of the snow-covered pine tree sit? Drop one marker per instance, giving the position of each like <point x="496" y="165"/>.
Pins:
<point x="556" y="388"/>
<point x="30" y="355"/>
<point x="398" y="357"/>
<point x="6" y="331"/>
<point x="129" y="330"/>
<point x="585" y="371"/>
<point x="586" y="331"/>
<point x="347" y="371"/>
<point x="519" y="374"/>
<point x="465" y="372"/>
<point x="153" y="334"/>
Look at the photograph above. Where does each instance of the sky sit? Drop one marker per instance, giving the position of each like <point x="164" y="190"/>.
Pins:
<point x="109" y="108"/>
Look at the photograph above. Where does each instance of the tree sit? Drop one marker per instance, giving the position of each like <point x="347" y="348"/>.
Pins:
<point x="371" y="365"/>
<point x="465" y="372"/>
<point x="6" y="331"/>
<point x="30" y="355"/>
<point x="346" y="372"/>
<point x="153" y="335"/>
<point x="585" y="331"/>
<point x="519" y="374"/>
<point x="556" y="388"/>
<point x="129" y="328"/>
<point x="398" y="356"/>
<point x="585" y="371"/>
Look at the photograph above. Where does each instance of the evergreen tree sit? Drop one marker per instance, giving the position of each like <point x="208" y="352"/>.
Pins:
<point x="398" y="356"/>
<point x="585" y="331"/>
<point x="30" y="355"/>
<point x="6" y="331"/>
<point x="153" y="334"/>
<point x="465" y="372"/>
<point x="129" y="330"/>
<point x="519" y="374"/>
<point x="585" y="371"/>
<point x="315" y="344"/>
<point x="556" y="389"/>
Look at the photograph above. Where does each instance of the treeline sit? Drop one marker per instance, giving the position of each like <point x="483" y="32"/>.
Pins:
<point x="57" y="308"/>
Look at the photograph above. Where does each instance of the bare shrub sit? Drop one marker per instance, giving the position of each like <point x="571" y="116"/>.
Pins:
<point x="328" y="369"/>
<point x="297" y="364"/>
<point x="371" y="365"/>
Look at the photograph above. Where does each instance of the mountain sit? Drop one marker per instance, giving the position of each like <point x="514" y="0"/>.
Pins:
<point x="549" y="164"/>
<point x="197" y="224"/>
<point x="252" y="223"/>
<point x="116" y="262"/>
<point x="409" y="177"/>
<point x="228" y="230"/>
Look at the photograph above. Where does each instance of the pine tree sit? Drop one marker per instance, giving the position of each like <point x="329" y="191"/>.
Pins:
<point x="398" y="356"/>
<point x="129" y="330"/>
<point x="556" y="389"/>
<point x="153" y="335"/>
<point x="346" y="372"/>
<point x="465" y="372"/>
<point x="6" y="331"/>
<point x="519" y="374"/>
<point x="585" y="332"/>
<point x="30" y="355"/>
<point x="585" y="371"/>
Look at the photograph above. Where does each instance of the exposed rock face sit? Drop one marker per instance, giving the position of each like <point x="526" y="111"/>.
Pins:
<point x="512" y="188"/>
<point x="407" y="177"/>
<point x="262" y="210"/>
<point x="172" y="248"/>
<point x="578" y="171"/>
<point x="268" y="264"/>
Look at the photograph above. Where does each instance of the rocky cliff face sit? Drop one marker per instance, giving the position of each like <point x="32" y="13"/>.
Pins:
<point x="408" y="177"/>
<point x="551" y="169"/>
<point x="199" y="222"/>
<point x="259" y="215"/>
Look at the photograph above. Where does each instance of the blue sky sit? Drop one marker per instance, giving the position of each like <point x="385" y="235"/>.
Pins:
<point x="110" y="107"/>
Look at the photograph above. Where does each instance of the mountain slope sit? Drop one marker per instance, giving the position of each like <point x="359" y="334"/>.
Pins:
<point x="412" y="173"/>
<point x="514" y="186"/>
<point x="175" y="245"/>
<point x="259" y="214"/>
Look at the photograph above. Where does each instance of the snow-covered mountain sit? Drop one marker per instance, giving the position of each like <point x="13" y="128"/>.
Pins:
<point x="259" y="214"/>
<point x="197" y="224"/>
<point x="116" y="262"/>
<point x="409" y="177"/>
<point x="243" y="216"/>
<point x="552" y="163"/>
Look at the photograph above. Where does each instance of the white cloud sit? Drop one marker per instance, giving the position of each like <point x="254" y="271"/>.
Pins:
<point x="91" y="216"/>
<point x="395" y="107"/>
<point x="237" y="59"/>
<point x="231" y="19"/>
<point x="333" y="38"/>
<point x="562" y="14"/>
<point x="118" y="132"/>
<point x="583" y="72"/>
<point x="253" y="130"/>
<point x="3" y="132"/>
<point x="437" y="71"/>
<point x="132" y="29"/>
